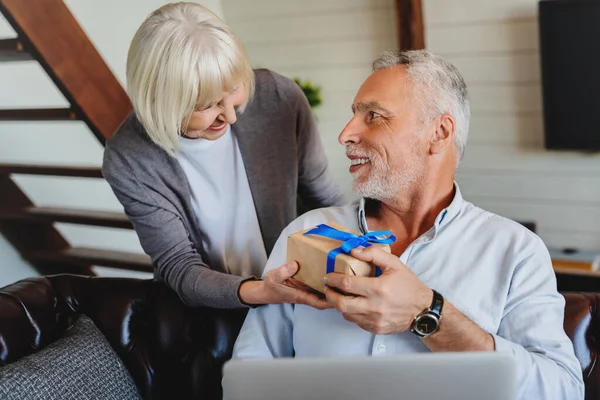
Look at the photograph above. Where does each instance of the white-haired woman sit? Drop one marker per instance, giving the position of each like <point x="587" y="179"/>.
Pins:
<point x="208" y="189"/>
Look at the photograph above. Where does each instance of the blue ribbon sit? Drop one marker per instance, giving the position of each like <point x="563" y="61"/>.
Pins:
<point x="351" y="241"/>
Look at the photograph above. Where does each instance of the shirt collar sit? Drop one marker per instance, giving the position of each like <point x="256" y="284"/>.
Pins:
<point x="443" y="218"/>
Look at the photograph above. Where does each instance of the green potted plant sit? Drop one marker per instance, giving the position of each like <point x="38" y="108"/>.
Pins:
<point x="311" y="91"/>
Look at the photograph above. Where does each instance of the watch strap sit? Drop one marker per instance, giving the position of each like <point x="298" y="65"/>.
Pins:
<point x="437" y="304"/>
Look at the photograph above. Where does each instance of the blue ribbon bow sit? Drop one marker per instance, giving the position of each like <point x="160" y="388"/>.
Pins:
<point x="351" y="241"/>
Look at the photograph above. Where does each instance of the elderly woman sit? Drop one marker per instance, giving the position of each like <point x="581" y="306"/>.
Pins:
<point x="209" y="188"/>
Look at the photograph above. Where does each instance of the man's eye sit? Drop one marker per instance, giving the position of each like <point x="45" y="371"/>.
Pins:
<point x="373" y="114"/>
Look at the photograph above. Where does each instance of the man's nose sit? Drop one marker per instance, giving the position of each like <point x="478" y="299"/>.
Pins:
<point x="351" y="133"/>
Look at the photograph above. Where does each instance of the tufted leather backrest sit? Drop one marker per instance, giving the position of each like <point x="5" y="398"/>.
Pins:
<point x="173" y="351"/>
<point x="170" y="350"/>
<point x="582" y="324"/>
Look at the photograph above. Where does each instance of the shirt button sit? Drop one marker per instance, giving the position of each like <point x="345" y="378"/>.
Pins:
<point x="381" y="348"/>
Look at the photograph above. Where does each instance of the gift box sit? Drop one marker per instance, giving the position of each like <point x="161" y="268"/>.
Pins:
<point x="325" y="248"/>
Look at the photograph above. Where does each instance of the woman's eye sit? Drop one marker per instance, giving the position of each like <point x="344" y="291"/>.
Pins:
<point x="206" y="108"/>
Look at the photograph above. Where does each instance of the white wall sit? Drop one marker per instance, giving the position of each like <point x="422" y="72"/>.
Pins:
<point x="506" y="169"/>
<point x="332" y="43"/>
<point x="110" y="24"/>
<point x="494" y="44"/>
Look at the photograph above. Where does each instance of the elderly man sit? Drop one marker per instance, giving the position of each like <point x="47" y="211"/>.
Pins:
<point x="459" y="278"/>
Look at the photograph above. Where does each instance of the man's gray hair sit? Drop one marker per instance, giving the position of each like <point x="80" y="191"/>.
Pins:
<point x="439" y="87"/>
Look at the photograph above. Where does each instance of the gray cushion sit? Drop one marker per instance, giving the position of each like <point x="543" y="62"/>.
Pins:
<point x="81" y="366"/>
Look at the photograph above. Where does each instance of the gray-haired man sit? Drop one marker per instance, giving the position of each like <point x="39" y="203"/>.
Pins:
<point x="458" y="279"/>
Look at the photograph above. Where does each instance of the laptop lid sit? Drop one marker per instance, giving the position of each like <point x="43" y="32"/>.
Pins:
<point x="464" y="376"/>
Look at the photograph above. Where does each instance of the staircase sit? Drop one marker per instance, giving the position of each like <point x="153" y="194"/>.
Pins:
<point x="49" y="34"/>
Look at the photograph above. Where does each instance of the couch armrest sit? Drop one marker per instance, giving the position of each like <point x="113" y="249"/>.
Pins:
<point x="582" y="324"/>
<point x="31" y="317"/>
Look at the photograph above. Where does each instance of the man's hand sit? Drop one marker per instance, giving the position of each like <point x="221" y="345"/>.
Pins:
<point x="279" y="287"/>
<point x="383" y="305"/>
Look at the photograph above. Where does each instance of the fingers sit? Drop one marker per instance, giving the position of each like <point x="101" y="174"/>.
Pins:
<point x="311" y="299"/>
<point x="356" y="285"/>
<point x="320" y="304"/>
<point x="349" y="306"/>
<point x="284" y="272"/>
<point x="384" y="260"/>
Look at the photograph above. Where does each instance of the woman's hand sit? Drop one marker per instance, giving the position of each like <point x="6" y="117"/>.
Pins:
<point x="279" y="287"/>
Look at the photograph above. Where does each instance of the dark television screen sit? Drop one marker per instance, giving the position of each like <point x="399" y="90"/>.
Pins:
<point x="570" y="61"/>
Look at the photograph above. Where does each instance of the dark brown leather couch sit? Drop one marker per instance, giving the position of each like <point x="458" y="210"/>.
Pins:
<point x="172" y="351"/>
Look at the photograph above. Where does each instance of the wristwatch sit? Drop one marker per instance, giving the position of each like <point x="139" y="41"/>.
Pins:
<point x="428" y="322"/>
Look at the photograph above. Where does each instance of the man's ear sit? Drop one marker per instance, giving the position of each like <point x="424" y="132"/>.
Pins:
<point x="443" y="136"/>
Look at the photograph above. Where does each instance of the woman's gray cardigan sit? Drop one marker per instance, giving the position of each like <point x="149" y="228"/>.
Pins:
<point x="283" y="157"/>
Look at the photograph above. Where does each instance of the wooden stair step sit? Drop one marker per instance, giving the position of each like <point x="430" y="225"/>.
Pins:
<point x="38" y="114"/>
<point x="70" y="59"/>
<point x="52" y="170"/>
<point x="100" y="257"/>
<point x="13" y="50"/>
<point x="68" y="215"/>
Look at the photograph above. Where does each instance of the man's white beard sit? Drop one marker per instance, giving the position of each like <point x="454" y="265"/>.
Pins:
<point x="384" y="184"/>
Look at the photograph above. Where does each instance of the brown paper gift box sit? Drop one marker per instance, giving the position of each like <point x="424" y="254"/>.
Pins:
<point x="310" y="251"/>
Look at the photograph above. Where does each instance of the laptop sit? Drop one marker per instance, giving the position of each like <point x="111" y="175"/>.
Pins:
<point x="464" y="376"/>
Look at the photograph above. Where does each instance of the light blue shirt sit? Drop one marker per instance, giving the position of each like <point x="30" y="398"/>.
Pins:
<point x="496" y="272"/>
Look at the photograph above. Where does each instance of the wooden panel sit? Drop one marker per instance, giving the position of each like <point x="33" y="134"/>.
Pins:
<point x="524" y="186"/>
<point x="506" y="169"/>
<point x="54" y="170"/>
<point x="498" y="69"/>
<point x="26" y="240"/>
<point x="511" y="129"/>
<point x="316" y="54"/>
<point x="506" y="36"/>
<point x="534" y="161"/>
<point x="445" y="12"/>
<point x="332" y="78"/>
<point x="546" y="214"/>
<point x="70" y="59"/>
<point x="335" y="27"/>
<point x="68" y="215"/>
<point x="409" y="22"/>
<point x="13" y="50"/>
<point x="49" y="114"/>
<point x="558" y="238"/>
<point x="258" y="10"/>
<point x="506" y="98"/>
<point x="107" y="258"/>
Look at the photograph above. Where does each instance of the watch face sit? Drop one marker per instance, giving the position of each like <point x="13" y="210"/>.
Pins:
<point x="426" y="324"/>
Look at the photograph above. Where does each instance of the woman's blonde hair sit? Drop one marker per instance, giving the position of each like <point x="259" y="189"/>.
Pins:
<point x="182" y="57"/>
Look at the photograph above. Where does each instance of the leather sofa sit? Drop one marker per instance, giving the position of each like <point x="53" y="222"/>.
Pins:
<point x="172" y="351"/>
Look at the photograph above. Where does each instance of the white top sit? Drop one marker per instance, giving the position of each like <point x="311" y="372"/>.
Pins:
<point x="223" y="204"/>
<point x="495" y="271"/>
